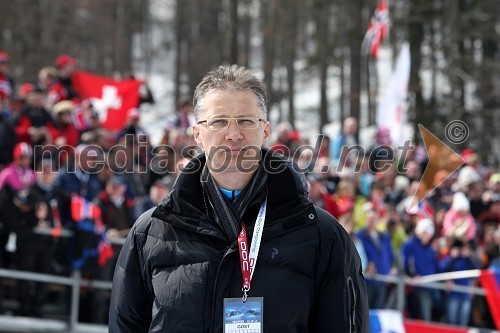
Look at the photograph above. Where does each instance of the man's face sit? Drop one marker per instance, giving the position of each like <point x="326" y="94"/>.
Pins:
<point x="67" y="70"/>
<point x="36" y="99"/>
<point x="231" y="148"/>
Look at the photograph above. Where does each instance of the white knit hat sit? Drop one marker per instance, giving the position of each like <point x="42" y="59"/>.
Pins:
<point x="425" y="225"/>
<point x="460" y="203"/>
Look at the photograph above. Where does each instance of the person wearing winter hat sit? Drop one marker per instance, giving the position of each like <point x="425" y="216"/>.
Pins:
<point x="65" y="66"/>
<point x="493" y="190"/>
<point x="49" y="82"/>
<point x="458" y="222"/>
<point x="69" y="135"/>
<point x="419" y="258"/>
<point x="19" y="175"/>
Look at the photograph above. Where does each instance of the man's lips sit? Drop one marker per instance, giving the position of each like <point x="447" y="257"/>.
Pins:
<point x="234" y="151"/>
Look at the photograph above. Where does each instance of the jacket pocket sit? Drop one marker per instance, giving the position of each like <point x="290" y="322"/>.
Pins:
<point x="180" y="298"/>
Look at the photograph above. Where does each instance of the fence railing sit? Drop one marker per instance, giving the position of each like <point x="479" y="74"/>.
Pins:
<point x="75" y="282"/>
<point x="430" y="281"/>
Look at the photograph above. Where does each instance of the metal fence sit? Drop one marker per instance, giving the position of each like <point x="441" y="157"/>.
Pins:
<point x="75" y="282"/>
<point x="429" y="281"/>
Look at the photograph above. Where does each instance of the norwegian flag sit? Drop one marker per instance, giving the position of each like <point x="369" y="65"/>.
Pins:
<point x="377" y="30"/>
<point x="112" y="99"/>
<point x="82" y="210"/>
<point x="425" y="210"/>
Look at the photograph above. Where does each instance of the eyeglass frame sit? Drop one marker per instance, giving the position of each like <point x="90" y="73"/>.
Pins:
<point x="229" y="122"/>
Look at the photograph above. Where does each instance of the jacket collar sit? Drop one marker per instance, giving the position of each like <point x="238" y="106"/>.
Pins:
<point x="185" y="207"/>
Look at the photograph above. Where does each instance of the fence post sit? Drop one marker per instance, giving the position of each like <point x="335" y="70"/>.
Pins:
<point x="401" y="293"/>
<point x="75" y="300"/>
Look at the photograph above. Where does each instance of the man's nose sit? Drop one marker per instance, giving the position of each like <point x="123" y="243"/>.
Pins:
<point x="233" y="131"/>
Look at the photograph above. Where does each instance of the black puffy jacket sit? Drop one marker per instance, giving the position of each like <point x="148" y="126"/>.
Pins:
<point x="176" y="267"/>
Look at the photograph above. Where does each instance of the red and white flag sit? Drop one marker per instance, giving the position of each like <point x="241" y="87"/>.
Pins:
<point x="377" y="30"/>
<point x="110" y="98"/>
<point x="490" y="281"/>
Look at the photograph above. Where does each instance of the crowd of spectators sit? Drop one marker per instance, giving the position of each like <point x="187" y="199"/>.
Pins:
<point x="61" y="210"/>
<point x="455" y="228"/>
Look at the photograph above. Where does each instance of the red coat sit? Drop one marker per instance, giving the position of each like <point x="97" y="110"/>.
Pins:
<point x="70" y="133"/>
<point x="25" y="122"/>
<point x="56" y="93"/>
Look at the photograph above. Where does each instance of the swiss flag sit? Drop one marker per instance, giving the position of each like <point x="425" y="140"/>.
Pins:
<point x="110" y="98"/>
<point x="377" y="30"/>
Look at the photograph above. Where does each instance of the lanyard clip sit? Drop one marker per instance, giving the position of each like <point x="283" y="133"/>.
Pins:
<point x="245" y="295"/>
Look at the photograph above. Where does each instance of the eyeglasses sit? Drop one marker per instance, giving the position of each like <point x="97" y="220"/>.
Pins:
<point x="217" y="124"/>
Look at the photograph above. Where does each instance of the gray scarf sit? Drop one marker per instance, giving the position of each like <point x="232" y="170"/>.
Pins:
<point x="227" y="214"/>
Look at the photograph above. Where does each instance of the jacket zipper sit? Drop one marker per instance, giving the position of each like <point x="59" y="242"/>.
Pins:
<point x="352" y="311"/>
<point x="231" y="250"/>
<point x="212" y="316"/>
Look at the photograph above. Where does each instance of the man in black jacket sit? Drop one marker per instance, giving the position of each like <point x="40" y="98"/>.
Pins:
<point x="188" y="264"/>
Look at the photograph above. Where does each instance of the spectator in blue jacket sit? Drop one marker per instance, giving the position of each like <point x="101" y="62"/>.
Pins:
<point x="419" y="258"/>
<point x="78" y="178"/>
<point x="346" y="137"/>
<point x="380" y="258"/>
<point x="458" y="304"/>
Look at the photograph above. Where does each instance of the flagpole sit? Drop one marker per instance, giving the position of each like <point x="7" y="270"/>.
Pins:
<point x="368" y="91"/>
<point x="366" y="77"/>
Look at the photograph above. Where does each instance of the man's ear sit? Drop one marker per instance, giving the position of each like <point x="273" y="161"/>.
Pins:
<point x="196" y="134"/>
<point x="267" y="132"/>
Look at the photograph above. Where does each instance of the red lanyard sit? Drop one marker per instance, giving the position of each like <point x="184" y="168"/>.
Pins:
<point x="248" y="255"/>
<point x="245" y="263"/>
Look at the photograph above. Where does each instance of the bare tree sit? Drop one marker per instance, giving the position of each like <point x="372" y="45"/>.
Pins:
<point x="356" y="27"/>
<point x="324" y="47"/>
<point x="269" y="22"/>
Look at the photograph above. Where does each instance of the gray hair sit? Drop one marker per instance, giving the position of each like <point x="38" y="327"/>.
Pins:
<point x="230" y="77"/>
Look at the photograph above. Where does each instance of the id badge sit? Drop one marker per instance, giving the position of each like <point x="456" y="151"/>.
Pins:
<point x="242" y="317"/>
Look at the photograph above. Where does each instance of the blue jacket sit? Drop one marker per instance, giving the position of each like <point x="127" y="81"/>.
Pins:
<point x="449" y="264"/>
<point x="68" y="183"/>
<point x="336" y="146"/>
<point x="418" y="259"/>
<point x="381" y="255"/>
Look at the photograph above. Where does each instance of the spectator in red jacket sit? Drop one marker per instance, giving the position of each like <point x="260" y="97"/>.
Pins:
<point x="66" y="65"/>
<point x="69" y="135"/>
<point x="35" y="124"/>
<point x="48" y="81"/>
<point x="342" y="202"/>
